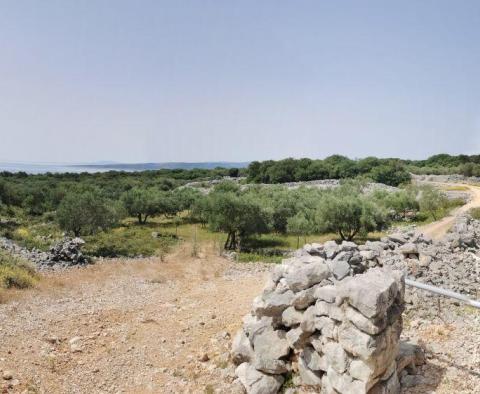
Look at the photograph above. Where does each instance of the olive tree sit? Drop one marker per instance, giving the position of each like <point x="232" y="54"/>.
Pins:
<point x="432" y="201"/>
<point x="86" y="212"/>
<point x="236" y="215"/>
<point x="141" y="203"/>
<point x="348" y="212"/>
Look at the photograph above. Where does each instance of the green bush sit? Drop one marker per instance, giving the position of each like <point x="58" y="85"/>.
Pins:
<point x="15" y="273"/>
<point x="87" y="212"/>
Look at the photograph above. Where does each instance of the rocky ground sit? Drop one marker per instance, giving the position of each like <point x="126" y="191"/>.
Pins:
<point x="146" y="326"/>
<point x="140" y="326"/>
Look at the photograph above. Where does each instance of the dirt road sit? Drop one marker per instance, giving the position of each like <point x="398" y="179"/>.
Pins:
<point x="438" y="229"/>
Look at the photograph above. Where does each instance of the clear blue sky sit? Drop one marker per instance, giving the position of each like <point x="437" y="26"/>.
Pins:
<point x="232" y="80"/>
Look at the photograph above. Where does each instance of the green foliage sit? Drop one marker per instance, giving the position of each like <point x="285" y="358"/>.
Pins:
<point x="237" y="215"/>
<point x="142" y="203"/>
<point x="299" y="225"/>
<point x="347" y="212"/>
<point x="86" y="212"/>
<point x="432" y="201"/>
<point x="400" y="203"/>
<point x="392" y="175"/>
<point x="388" y="171"/>
<point x="15" y="272"/>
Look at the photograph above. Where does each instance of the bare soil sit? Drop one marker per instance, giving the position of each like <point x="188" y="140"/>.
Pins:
<point x="137" y="326"/>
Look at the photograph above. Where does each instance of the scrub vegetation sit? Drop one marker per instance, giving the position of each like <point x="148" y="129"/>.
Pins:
<point x="147" y="213"/>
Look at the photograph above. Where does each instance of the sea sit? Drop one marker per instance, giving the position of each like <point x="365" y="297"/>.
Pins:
<point x="42" y="168"/>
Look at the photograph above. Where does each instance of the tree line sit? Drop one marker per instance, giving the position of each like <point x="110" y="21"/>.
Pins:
<point x="242" y="212"/>
<point x="390" y="171"/>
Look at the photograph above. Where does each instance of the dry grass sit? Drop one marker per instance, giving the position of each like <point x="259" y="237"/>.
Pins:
<point x="457" y="188"/>
<point x="437" y="332"/>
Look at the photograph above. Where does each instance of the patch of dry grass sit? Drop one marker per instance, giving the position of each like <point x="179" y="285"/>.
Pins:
<point x="457" y="188"/>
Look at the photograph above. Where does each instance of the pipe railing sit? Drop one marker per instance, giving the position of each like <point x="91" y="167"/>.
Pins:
<point x="444" y="292"/>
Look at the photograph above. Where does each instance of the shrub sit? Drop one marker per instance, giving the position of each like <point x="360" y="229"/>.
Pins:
<point x="15" y="273"/>
<point x="432" y="201"/>
<point x="84" y="213"/>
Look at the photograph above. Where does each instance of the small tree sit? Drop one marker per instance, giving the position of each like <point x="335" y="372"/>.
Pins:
<point x="238" y="216"/>
<point x="299" y="226"/>
<point x="401" y="202"/>
<point x="86" y="213"/>
<point x="347" y="212"/>
<point x="432" y="201"/>
<point x="200" y="210"/>
<point x="141" y="203"/>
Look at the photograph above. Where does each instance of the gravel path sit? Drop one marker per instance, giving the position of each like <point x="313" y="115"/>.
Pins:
<point x="438" y="229"/>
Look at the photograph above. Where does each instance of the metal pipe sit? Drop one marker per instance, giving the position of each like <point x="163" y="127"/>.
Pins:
<point x="447" y="293"/>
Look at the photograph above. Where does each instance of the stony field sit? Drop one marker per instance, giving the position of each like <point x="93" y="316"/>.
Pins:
<point x="152" y="326"/>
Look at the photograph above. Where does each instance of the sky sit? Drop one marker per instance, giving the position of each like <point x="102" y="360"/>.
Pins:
<point x="229" y="80"/>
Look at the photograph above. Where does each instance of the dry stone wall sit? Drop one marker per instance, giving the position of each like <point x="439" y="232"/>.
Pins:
<point x="331" y="318"/>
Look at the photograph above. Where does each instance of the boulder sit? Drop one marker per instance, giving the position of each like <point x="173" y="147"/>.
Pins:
<point x="303" y="299"/>
<point x="326" y="293"/>
<point x="335" y="356"/>
<point x="271" y="344"/>
<point x="307" y="276"/>
<point x="339" y="268"/>
<point x="408" y="248"/>
<point x="331" y="248"/>
<point x="291" y="317"/>
<point x="242" y="350"/>
<point x="308" y="377"/>
<point x="272" y="304"/>
<point x="314" y="361"/>
<point x="398" y="238"/>
<point x="257" y="382"/>
<point x="267" y="365"/>
<point x="371" y="293"/>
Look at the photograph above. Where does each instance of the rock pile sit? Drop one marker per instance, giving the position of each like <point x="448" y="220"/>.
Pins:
<point x="63" y="254"/>
<point x="67" y="253"/>
<point x="326" y="322"/>
<point x="332" y="314"/>
<point x="452" y="263"/>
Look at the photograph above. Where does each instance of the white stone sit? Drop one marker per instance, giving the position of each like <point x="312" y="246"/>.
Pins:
<point x="271" y="344"/>
<point x="307" y="276"/>
<point x="242" y="350"/>
<point x="256" y="382"/>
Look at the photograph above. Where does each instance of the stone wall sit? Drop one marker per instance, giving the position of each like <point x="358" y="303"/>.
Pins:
<point x="329" y="322"/>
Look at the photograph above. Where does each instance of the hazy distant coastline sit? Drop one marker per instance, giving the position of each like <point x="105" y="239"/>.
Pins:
<point x="42" y="168"/>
